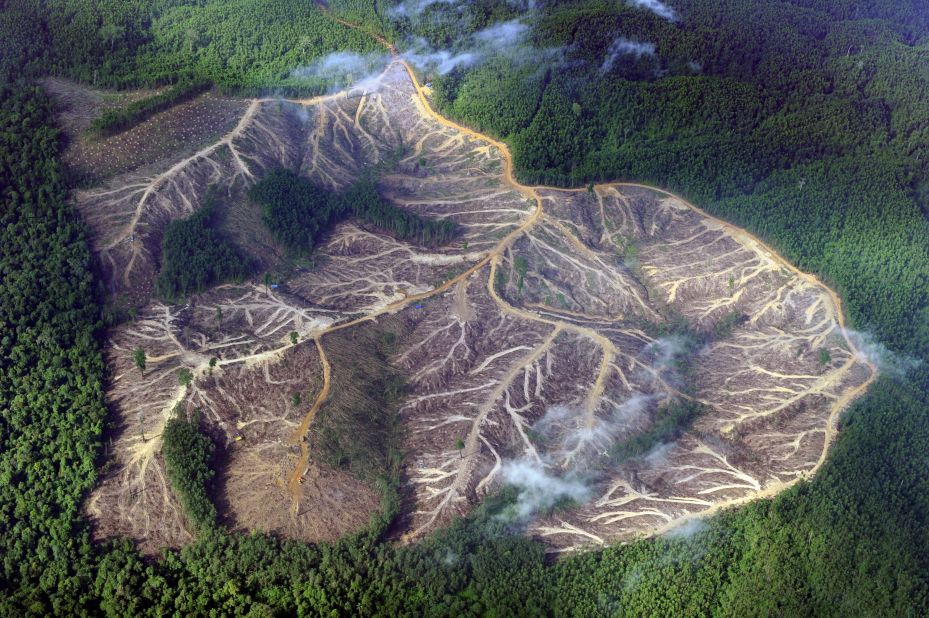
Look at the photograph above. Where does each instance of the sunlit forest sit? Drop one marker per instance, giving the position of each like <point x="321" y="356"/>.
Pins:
<point x="804" y="121"/>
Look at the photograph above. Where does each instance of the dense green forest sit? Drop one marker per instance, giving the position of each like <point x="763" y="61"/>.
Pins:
<point x="242" y="45"/>
<point x="51" y="371"/>
<point x="195" y="257"/>
<point x="803" y="120"/>
<point x="298" y="212"/>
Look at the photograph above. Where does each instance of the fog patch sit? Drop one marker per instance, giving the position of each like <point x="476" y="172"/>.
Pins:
<point x="655" y="6"/>
<point x="540" y="489"/>
<point x="450" y="558"/>
<point x="507" y="39"/>
<point x="503" y="35"/>
<point x="414" y="8"/>
<point x="625" y="47"/>
<point x="658" y="454"/>
<point x="441" y="61"/>
<point x="341" y="69"/>
<point x="668" y="353"/>
<point x="687" y="529"/>
<point x="870" y="350"/>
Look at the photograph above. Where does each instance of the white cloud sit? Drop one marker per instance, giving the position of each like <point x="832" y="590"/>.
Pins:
<point x="655" y="6"/>
<point x="625" y="47"/>
<point x="341" y="69"/>
<point x="870" y="350"/>
<point x="539" y="489"/>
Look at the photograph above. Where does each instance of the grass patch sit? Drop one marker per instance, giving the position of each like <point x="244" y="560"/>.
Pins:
<point x="356" y="430"/>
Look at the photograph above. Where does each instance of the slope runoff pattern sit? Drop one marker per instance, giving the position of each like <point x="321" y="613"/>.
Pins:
<point x="532" y="345"/>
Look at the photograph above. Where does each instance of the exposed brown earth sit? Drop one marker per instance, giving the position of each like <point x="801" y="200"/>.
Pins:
<point x="533" y="337"/>
<point x="173" y="132"/>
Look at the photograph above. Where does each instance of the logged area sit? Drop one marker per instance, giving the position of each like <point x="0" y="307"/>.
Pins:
<point x="611" y="347"/>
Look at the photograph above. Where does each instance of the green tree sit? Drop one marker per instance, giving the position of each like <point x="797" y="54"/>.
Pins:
<point x="112" y="33"/>
<point x="138" y="357"/>
<point x="184" y="376"/>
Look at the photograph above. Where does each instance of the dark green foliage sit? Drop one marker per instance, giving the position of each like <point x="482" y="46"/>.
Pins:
<point x="51" y="392"/>
<point x="446" y="25"/>
<point x="295" y="210"/>
<point x="184" y="376"/>
<point x="362" y="201"/>
<point x="187" y="454"/>
<point x="298" y="212"/>
<point x="495" y="97"/>
<point x="138" y="358"/>
<point x="670" y="422"/>
<point x="239" y="44"/>
<point x="114" y="121"/>
<point x="195" y="256"/>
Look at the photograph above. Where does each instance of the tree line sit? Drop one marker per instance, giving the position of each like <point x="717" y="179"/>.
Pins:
<point x="244" y="46"/>
<point x="115" y="121"/>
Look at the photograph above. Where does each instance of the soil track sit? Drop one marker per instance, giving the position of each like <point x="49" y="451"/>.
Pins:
<point x="300" y="435"/>
<point x="536" y="337"/>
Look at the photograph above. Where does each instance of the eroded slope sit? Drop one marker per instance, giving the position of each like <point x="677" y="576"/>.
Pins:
<point x="545" y="335"/>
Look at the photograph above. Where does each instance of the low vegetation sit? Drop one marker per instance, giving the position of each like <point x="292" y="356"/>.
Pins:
<point x="357" y="430"/>
<point x="114" y="121"/>
<point x="670" y="422"/>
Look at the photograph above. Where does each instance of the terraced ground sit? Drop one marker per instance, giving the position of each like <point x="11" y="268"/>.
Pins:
<point x="544" y="336"/>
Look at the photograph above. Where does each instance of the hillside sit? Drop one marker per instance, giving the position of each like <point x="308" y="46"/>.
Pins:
<point x="693" y="367"/>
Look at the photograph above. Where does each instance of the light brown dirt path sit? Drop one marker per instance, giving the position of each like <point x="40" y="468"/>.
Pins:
<point x="300" y="435"/>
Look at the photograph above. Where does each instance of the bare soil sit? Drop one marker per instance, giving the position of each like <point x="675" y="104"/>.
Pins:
<point x="168" y="134"/>
<point x="547" y="306"/>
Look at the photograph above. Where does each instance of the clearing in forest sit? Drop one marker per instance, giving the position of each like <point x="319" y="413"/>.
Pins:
<point x="612" y="345"/>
